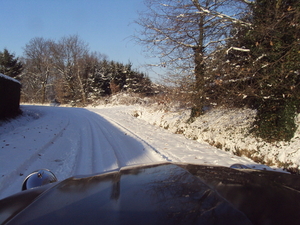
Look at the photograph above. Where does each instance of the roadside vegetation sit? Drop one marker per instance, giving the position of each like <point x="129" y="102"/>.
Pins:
<point x="223" y="54"/>
<point x="231" y="53"/>
<point x="226" y="128"/>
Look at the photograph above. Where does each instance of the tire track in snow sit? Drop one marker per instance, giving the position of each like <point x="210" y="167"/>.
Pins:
<point x="95" y="152"/>
<point x="84" y="143"/>
<point x="84" y="158"/>
<point x="117" y="147"/>
<point x="106" y="152"/>
<point x="137" y="138"/>
<point x="165" y="157"/>
<point x="36" y="154"/>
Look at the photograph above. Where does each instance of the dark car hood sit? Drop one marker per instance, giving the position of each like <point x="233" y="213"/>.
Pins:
<point x="161" y="194"/>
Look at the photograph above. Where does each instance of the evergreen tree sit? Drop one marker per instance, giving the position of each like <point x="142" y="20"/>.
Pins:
<point x="275" y="40"/>
<point x="273" y="65"/>
<point x="10" y="65"/>
<point x="261" y="67"/>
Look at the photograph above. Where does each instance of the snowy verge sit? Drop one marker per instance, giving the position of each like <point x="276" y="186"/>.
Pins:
<point x="226" y="129"/>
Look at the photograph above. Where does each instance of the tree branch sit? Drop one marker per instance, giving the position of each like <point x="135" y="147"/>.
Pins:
<point x="237" y="49"/>
<point x="220" y="15"/>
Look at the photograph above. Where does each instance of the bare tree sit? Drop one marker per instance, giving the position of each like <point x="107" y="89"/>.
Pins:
<point x="183" y="33"/>
<point x="69" y="54"/>
<point x="39" y="64"/>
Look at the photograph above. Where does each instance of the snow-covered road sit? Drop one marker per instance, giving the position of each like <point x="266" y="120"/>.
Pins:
<point x="73" y="141"/>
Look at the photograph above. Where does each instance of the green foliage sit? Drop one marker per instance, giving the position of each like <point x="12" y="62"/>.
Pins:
<point x="274" y="44"/>
<point x="9" y="65"/>
<point x="275" y="38"/>
<point x="269" y="73"/>
<point x="275" y="120"/>
<point x="112" y="77"/>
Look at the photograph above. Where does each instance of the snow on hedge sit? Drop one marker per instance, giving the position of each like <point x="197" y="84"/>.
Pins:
<point x="226" y="129"/>
<point x="229" y="130"/>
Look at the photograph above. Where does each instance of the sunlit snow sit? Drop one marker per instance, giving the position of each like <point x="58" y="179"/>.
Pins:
<point x="74" y="141"/>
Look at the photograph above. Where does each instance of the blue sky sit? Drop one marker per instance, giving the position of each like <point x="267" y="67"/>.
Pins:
<point x="106" y="25"/>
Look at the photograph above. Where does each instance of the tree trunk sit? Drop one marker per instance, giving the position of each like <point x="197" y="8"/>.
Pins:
<point x="199" y="92"/>
<point x="81" y="88"/>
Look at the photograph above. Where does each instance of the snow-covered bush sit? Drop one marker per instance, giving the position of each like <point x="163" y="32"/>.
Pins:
<point x="229" y="130"/>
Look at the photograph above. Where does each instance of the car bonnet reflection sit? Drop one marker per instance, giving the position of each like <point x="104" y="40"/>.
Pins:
<point x="159" y="194"/>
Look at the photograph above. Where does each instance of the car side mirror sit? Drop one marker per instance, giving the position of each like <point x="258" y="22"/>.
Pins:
<point x="38" y="178"/>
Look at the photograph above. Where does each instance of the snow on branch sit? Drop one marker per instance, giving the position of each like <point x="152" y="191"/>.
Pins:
<point x="248" y="2"/>
<point x="218" y="14"/>
<point x="238" y="49"/>
<point x="164" y="5"/>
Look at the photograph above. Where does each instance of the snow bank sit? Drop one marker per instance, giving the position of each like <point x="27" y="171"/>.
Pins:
<point x="226" y="129"/>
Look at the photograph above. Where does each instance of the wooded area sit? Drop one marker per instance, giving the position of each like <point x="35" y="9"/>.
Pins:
<point x="230" y="53"/>
<point x="66" y="71"/>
